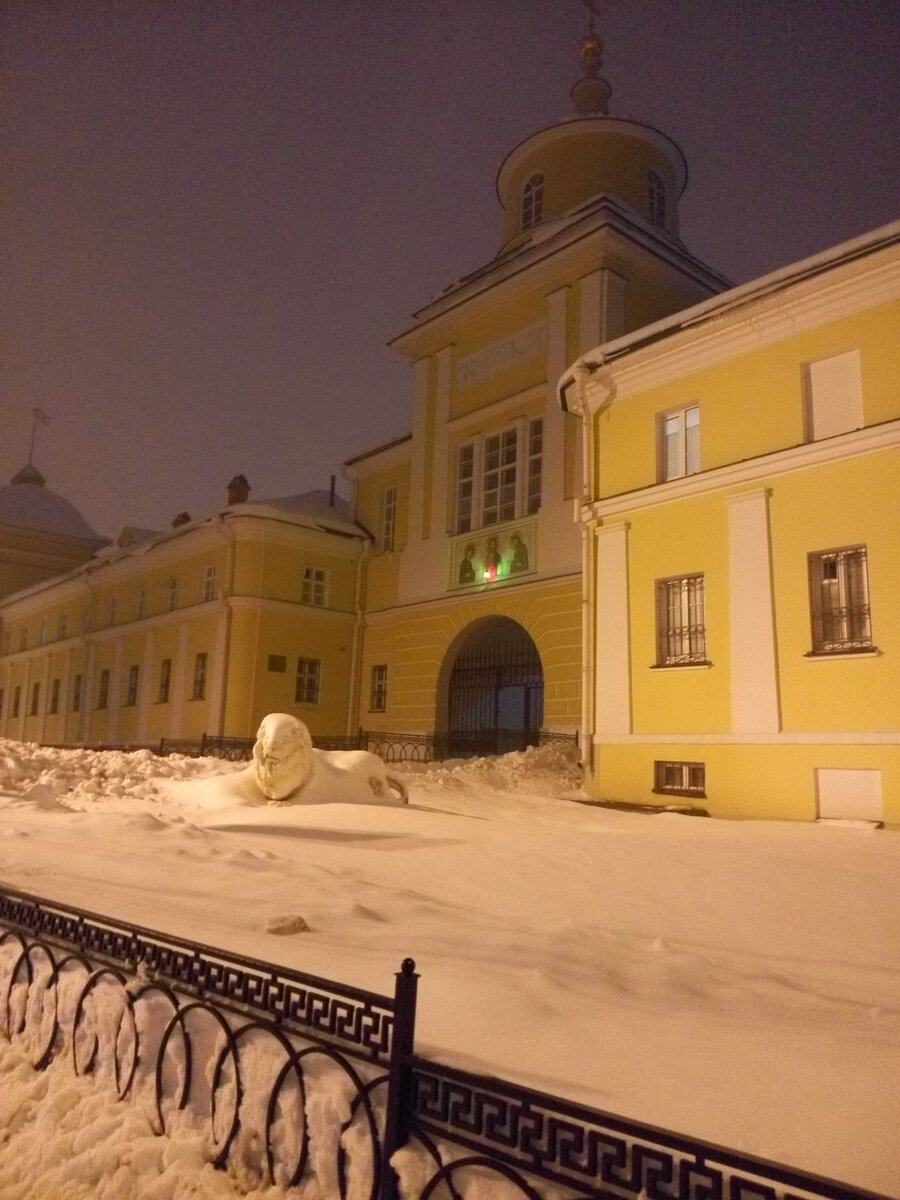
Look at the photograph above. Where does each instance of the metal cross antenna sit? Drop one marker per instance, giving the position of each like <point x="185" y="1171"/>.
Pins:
<point x="38" y="417"/>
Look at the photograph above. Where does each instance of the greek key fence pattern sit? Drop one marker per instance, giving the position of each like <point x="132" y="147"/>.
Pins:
<point x="522" y="1136"/>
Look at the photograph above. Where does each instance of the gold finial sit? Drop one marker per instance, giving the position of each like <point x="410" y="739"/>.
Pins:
<point x="591" y="93"/>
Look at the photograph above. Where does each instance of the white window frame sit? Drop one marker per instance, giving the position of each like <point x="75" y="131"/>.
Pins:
<point x="140" y="604"/>
<point x="840" y="615"/>
<point x="314" y="587"/>
<point x="209" y="584"/>
<point x="499" y="476"/>
<point x="671" y="778"/>
<point x="165" y="681"/>
<point x="680" y="621"/>
<point x="378" y="688"/>
<point x="532" y="202"/>
<point x="388" y="518"/>
<point x="309" y="681"/>
<point x="201" y="667"/>
<point x="679" y="447"/>
<point x="171" y="593"/>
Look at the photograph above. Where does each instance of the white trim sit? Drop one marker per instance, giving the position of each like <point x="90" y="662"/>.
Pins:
<point x="869" y="738"/>
<point x="612" y="677"/>
<point x="845" y="446"/>
<point x="755" y="703"/>
<point x="471" y="424"/>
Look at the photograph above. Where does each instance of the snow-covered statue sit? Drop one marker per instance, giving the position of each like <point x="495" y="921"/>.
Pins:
<point x="287" y="766"/>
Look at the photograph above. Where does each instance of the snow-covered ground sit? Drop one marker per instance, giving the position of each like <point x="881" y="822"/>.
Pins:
<point x="739" y="981"/>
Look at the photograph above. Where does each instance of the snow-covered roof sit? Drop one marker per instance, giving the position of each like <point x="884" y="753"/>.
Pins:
<point x="314" y="509"/>
<point x="28" y="504"/>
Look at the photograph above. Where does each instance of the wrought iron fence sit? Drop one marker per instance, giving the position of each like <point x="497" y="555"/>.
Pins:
<point x="272" y="1062"/>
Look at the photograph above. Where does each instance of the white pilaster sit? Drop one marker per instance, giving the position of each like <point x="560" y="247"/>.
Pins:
<point x="440" y="468"/>
<point x="216" y="702"/>
<point x="751" y="613"/>
<point x="613" y="658"/>
<point x="553" y="463"/>
<point x="179" y="683"/>
<point x="602" y="313"/>
<point x="115" y="692"/>
<point x="146" y="683"/>
<point x="419" y="451"/>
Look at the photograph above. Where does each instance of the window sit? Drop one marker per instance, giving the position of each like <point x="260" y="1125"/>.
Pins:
<point x="54" y="697"/>
<point x="23" y="638"/>
<point x="198" y="692"/>
<point x="1" y="701"/>
<point x="165" y="680"/>
<point x="535" y="452"/>
<point x="839" y="601"/>
<point x="131" y="695"/>
<point x="388" y="518"/>
<point x="833" y="396"/>
<point x="42" y="633"/>
<point x="17" y="700"/>
<point x="309" y="672"/>
<point x="680" y="443"/>
<point x="277" y="663"/>
<point x="103" y="693"/>
<point x="499" y="489"/>
<point x="61" y="628"/>
<point x="378" y="690"/>
<point x="313" y="586"/>
<point x="656" y="199"/>
<point x="35" y="699"/>
<point x="140" y="604"/>
<point x="111" y="611"/>
<point x="209" y="585"/>
<point x="465" y="487"/>
<point x="680" y="628"/>
<point x="76" y="694"/>
<point x="171" y="594"/>
<point x="680" y="778"/>
<point x="532" y="202"/>
<point x="499" y="477"/>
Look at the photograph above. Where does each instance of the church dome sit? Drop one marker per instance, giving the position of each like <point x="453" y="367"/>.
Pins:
<point x="28" y="504"/>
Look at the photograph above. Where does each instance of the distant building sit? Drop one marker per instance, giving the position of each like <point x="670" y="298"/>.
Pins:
<point x="742" y="523"/>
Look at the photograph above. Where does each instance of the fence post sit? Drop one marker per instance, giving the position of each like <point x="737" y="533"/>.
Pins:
<point x="399" y="1098"/>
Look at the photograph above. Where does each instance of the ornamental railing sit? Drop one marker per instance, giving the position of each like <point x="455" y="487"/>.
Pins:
<point x="301" y="1078"/>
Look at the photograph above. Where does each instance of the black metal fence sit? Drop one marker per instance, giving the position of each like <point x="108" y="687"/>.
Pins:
<point x="272" y="1062"/>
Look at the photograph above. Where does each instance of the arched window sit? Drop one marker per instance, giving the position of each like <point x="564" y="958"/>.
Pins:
<point x="656" y="199"/>
<point x="532" y="201"/>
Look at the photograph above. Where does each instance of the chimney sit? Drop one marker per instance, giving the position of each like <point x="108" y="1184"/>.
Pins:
<point x="331" y="493"/>
<point x="183" y="518"/>
<point x="238" y="490"/>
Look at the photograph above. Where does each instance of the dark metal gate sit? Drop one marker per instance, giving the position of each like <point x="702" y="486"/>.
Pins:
<point x="496" y="697"/>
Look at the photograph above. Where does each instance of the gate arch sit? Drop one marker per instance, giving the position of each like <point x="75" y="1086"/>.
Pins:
<point x="491" y="695"/>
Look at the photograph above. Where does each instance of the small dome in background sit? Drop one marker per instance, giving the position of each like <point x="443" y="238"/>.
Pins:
<point x="28" y="504"/>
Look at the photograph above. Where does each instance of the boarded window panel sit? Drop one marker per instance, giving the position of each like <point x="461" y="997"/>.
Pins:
<point x="834" y="396"/>
<point x="849" y="795"/>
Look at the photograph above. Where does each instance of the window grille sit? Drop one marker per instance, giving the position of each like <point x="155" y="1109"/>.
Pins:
<point x="313" y="591"/>
<point x="388" y="518"/>
<point x="378" y="691"/>
<point x="132" y="693"/>
<point x="165" y="680"/>
<point x="199" y="689"/>
<point x="681" y="443"/>
<point x="839" y="601"/>
<point x="656" y="199"/>
<point x="308" y="679"/>
<point x="680" y="622"/>
<point x="680" y="778"/>
<point x="532" y="202"/>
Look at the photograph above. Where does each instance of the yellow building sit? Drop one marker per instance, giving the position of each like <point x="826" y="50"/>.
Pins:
<point x="473" y="610"/>
<point x="741" y="516"/>
<point x="199" y="630"/>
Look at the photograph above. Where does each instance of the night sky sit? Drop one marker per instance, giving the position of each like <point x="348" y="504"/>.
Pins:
<point x="217" y="213"/>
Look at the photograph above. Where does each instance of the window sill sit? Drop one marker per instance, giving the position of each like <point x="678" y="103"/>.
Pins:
<point x="678" y="792"/>
<point x="688" y="666"/>
<point x="825" y="655"/>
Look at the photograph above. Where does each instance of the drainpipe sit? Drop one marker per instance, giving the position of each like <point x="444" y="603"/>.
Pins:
<point x="358" y="626"/>
<point x="227" y="592"/>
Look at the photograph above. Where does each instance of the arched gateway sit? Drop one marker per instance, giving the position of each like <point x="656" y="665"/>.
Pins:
<point x="491" y="697"/>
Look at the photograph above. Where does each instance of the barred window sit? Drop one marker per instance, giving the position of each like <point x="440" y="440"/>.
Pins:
<point x="680" y="778"/>
<point x="17" y="700"/>
<point x="378" y="690"/>
<point x="309" y="672"/>
<point x="680" y="621"/>
<point x="35" y="699"/>
<point x="656" y="199"/>
<point x="199" y="689"/>
<point x="165" y="680"/>
<point x="839" y="601"/>
<point x="53" y="707"/>
<point x="313" y="591"/>
<point x="103" y="690"/>
<point x="388" y="518"/>
<point x="131" y="694"/>
<point x="532" y="202"/>
<point x="680" y="449"/>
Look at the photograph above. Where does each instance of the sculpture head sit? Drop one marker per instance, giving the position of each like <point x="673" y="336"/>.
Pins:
<point x="283" y="755"/>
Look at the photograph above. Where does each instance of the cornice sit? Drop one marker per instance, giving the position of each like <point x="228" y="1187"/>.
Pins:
<point x="877" y="737"/>
<point x="844" y="446"/>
